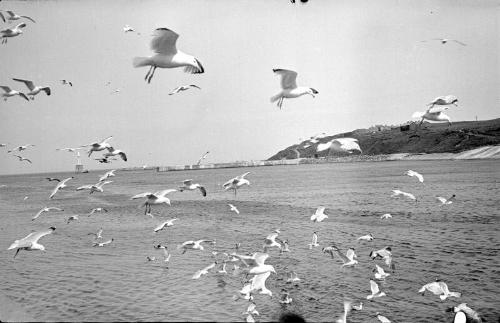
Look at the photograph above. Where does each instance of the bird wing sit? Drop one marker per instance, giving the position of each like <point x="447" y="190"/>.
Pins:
<point x="374" y="287"/>
<point x="196" y="86"/>
<point x="29" y="18"/>
<point x="459" y="42"/>
<point x="54" y="208"/>
<point x="6" y="88"/>
<point x="141" y="195"/>
<point x="320" y="210"/>
<point x="437" y="109"/>
<point x="342" y="256"/>
<point x="350" y="254"/>
<point x="63" y="182"/>
<point x="288" y="78"/>
<point x="123" y="155"/>
<point x="203" y="190"/>
<point x="38" y="214"/>
<point x="2" y="16"/>
<point x="84" y="187"/>
<point x="260" y="258"/>
<point x="187" y="182"/>
<point x="242" y="176"/>
<point x="163" y="41"/>
<point x="165" y="192"/>
<point x="259" y="281"/>
<point x="28" y="83"/>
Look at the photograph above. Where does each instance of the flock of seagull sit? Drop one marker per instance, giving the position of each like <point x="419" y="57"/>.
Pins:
<point x="253" y="265"/>
<point x="166" y="55"/>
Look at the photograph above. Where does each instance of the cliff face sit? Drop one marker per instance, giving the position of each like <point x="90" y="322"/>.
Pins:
<point x="430" y="138"/>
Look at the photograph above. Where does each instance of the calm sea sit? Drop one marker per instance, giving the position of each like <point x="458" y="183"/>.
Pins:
<point x="74" y="281"/>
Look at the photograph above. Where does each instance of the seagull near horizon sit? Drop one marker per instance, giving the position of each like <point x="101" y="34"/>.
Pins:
<point x="97" y="235"/>
<point x="46" y="209"/>
<point x="375" y="290"/>
<point x="193" y="245"/>
<point x="385" y="216"/>
<point x="349" y="259"/>
<point x="8" y="92"/>
<point x="158" y="197"/>
<point x="183" y="88"/>
<point x="188" y="185"/>
<point x="347" y="145"/>
<point x="319" y="215"/>
<point x="34" y="89"/>
<point x="107" y="175"/>
<point x="445" y="40"/>
<point x="439" y="288"/>
<point x="289" y="87"/>
<point x="30" y="242"/>
<point x="60" y="186"/>
<point x="12" y="16"/>
<point x="412" y="173"/>
<point x="233" y="208"/>
<point x="98" y="146"/>
<point x="20" y="148"/>
<point x="115" y="152"/>
<point x="11" y="32"/>
<point x="202" y="157"/>
<point x="396" y="193"/>
<point x="368" y="237"/>
<point x="166" y="55"/>
<point x="21" y="158"/>
<point x="446" y="201"/>
<point x="236" y="182"/>
<point x="164" y="225"/>
<point x="270" y="241"/>
<point x="97" y="187"/>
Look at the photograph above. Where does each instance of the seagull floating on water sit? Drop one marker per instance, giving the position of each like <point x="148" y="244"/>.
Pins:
<point x="467" y="311"/>
<point x="188" y="185"/>
<point x="314" y="240"/>
<point x="97" y="187"/>
<point x="30" y="242"/>
<point x="289" y="87"/>
<point x="8" y="92"/>
<point x="46" y="209"/>
<point x="34" y="90"/>
<point x="292" y="277"/>
<point x="183" y="88"/>
<point x="384" y="253"/>
<point x="107" y="175"/>
<point x="382" y="318"/>
<point x="319" y="215"/>
<point x="167" y="56"/>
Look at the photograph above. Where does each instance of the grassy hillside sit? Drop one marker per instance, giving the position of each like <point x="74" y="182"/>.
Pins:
<point x="430" y="138"/>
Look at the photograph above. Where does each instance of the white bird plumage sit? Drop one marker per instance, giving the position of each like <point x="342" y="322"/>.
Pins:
<point x="11" y="32"/>
<point x="236" y="182"/>
<point x="439" y="288"/>
<point x="30" y="242"/>
<point x="289" y="88"/>
<point x="164" y="225"/>
<point x="8" y="92"/>
<point x="375" y="290"/>
<point x="319" y="215"/>
<point x="167" y="55"/>
<point x="158" y="197"/>
<point x="34" y="89"/>
<point x="46" y="209"/>
<point x="412" y="173"/>
<point x="233" y="208"/>
<point x="345" y="145"/>
<point x="190" y="186"/>
<point x="396" y="193"/>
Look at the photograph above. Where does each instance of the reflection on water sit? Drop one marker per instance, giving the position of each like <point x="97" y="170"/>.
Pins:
<point x="73" y="281"/>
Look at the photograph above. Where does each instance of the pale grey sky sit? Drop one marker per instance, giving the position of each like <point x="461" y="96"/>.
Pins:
<point x="365" y="58"/>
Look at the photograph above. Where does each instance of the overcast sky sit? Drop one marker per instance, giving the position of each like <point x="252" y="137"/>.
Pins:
<point x="365" y="58"/>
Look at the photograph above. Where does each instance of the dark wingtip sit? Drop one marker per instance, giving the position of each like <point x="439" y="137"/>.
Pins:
<point x="52" y="228"/>
<point x="202" y="70"/>
<point x="314" y="91"/>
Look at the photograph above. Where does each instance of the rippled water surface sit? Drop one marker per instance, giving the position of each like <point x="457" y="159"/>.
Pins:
<point x="73" y="281"/>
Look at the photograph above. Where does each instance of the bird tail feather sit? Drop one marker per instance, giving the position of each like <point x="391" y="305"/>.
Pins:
<point x="141" y="61"/>
<point x="275" y="98"/>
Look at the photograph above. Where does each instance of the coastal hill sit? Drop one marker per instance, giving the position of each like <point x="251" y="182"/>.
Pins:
<point x="429" y="138"/>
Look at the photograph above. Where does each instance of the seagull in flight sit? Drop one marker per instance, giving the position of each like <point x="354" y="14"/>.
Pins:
<point x="347" y="145"/>
<point x="233" y="208"/>
<point x="408" y="195"/>
<point x="13" y="16"/>
<point x="380" y="274"/>
<point x="415" y="174"/>
<point x="154" y="198"/>
<point x="445" y="40"/>
<point x="115" y="152"/>
<point x="446" y="201"/>
<point x="439" y="288"/>
<point x="204" y="271"/>
<point x="97" y="187"/>
<point x="349" y="259"/>
<point x="270" y="241"/>
<point x="34" y="90"/>
<point x="375" y="290"/>
<point x="314" y="240"/>
<point x="60" y="186"/>
<point x="194" y="245"/>
<point x="188" y="185"/>
<point x="8" y="92"/>
<point x="46" y="209"/>
<point x="20" y="148"/>
<point x="289" y="88"/>
<point x="164" y="225"/>
<point x="202" y="157"/>
<point x="127" y="29"/>
<point x="347" y="310"/>
<point x="11" y="32"/>
<point x="30" y="242"/>
<point x="98" y="146"/>
<point x="167" y="56"/>
<point x="107" y="175"/>
<point x="384" y="253"/>
<point x="97" y="210"/>
<point x="368" y="237"/>
<point x="319" y="215"/>
<point x="21" y="158"/>
<point x="236" y="182"/>
<point x="255" y="263"/>
<point x="66" y="82"/>
<point x="183" y="88"/>
<point x="165" y="252"/>
<point x="97" y="235"/>
<point x="385" y="216"/>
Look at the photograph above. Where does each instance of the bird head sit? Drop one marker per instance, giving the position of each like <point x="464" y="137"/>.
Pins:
<point x="312" y="91"/>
